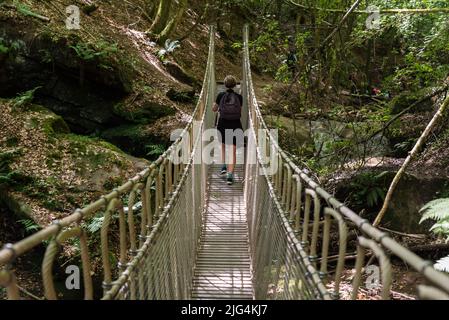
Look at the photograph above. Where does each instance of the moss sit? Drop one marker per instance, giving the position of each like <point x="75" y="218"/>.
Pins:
<point x="132" y="138"/>
<point x="150" y="112"/>
<point x="110" y="146"/>
<point x="133" y="132"/>
<point x="53" y="157"/>
<point x="79" y="143"/>
<point x="49" y="122"/>
<point x="55" y="125"/>
<point x="97" y="159"/>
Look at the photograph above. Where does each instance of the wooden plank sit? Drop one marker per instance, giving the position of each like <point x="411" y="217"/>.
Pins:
<point x="223" y="266"/>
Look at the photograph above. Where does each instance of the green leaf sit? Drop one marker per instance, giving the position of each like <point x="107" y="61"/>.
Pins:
<point x="29" y="225"/>
<point x="442" y="264"/>
<point x="435" y="210"/>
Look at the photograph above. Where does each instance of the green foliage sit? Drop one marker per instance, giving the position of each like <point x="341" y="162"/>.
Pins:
<point x="283" y="73"/>
<point x="264" y="49"/>
<point x="89" y="52"/>
<point x="95" y="224"/>
<point x="237" y="45"/>
<point x="9" y="177"/>
<point x="29" y="225"/>
<point x="438" y="211"/>
<point x="155" y="150"/>
<point x="11" y="48"/>
<point x="25" y="98"/>
<point x="405" y="146"/>
<point x="370" y="190"/>
<point x="169" y="47"/>
<point x="46" y="56"/>
<point x="3" y="48"/>
<point x="24" y="9"/>
<point x="442" y="264"/>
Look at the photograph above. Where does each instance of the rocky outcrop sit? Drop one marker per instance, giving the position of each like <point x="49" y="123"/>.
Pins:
<point x="414" y="190"/>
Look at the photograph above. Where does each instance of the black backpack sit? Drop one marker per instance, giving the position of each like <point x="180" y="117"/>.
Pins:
<point x="230" y="106"/>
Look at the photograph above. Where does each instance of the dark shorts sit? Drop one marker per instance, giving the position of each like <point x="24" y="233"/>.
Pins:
<point x="228" y="134"/>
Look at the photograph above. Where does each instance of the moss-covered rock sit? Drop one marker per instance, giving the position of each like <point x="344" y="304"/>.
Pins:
<point x="181" y="96"/>
<point x="55" y="171"/>
<point x="134" y="139"/>
<point x="406" y="99"/>
<point x="147" y="113"/>
<point x="18" y="207"/>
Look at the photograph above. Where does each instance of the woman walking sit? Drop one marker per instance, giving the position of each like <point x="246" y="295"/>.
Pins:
<point x="229" y="105"/>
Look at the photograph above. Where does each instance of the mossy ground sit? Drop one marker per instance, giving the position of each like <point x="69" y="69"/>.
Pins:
<point x="64" y="171"/>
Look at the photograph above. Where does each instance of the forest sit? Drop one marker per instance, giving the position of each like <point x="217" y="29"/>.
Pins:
<point x="92" y="91"/>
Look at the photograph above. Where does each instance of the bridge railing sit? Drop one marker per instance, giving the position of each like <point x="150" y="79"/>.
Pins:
<point x="300" y="207"/>
<point x="156" y="242"/>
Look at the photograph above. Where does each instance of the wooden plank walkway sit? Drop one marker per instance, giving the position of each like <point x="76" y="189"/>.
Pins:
<point x="223" y="266"/>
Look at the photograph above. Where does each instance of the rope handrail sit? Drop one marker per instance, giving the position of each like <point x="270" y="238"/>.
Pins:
<point x="289" y="222"/>
<point x="163" y="172"/>
<point x="438" y="279"/>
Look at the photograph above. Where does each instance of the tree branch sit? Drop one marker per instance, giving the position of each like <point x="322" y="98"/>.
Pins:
<point x="384" y="11"/>
<point x="438" y="115"/>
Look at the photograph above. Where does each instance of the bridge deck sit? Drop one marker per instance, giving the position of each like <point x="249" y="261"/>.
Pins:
<point x="223" y="266"/>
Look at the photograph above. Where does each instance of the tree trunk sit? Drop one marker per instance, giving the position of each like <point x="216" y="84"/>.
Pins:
<point x="162" y="16"/>
<point x="173" y="23"/>
<point x="152" y="7"/>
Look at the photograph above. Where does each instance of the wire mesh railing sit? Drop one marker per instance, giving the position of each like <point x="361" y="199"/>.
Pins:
<point x="155" y="245"/>
<point x="294" y="224"/>
<point x="289" y="200"/>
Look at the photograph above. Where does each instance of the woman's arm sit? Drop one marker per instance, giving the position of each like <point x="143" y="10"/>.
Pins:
<point x="215" y="107"/>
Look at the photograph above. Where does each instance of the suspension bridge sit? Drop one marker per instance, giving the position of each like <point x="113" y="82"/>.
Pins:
<point x="268" y="236"/>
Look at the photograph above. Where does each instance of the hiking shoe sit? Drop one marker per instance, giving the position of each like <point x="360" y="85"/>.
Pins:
<point x="230" y="178"/>
<point x="224" y="170"/>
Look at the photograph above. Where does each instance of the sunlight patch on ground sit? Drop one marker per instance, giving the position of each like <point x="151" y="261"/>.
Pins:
<point x="143" y="45"/>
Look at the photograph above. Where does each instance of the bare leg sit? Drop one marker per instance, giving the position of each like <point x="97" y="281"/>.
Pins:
<point x="223" y="153"/>
<point x="234" y="159"/>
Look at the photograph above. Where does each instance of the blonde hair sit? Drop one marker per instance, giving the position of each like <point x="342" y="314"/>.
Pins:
<point x="230" y="82"/>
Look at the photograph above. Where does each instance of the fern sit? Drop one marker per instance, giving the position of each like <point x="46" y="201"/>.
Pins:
<point x="435" y="210"/>
<point x="442" y="264"/>
<point x="170" y="47"/>
<point x="441" y="227"/>
<point x="438" y="210"/>
<point x="95" y="224"/>
<point x="25" y="98"/>
<point x="155" y="149"/>
<point x="24" y="9"/>
<point x="89" y="52"/>
<point x="29" y="225"/>
<point x="374" y="195"/>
